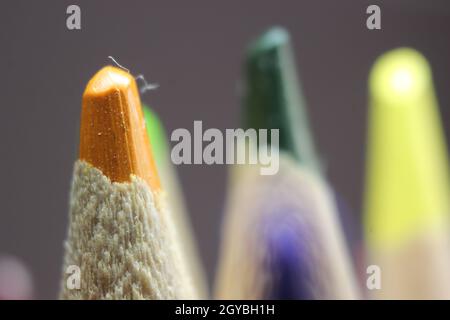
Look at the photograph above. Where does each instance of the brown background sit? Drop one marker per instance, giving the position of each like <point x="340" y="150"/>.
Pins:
<point x="193" y="49"/>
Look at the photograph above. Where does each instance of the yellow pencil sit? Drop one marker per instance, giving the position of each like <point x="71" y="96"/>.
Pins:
<point x="407" y="189"/>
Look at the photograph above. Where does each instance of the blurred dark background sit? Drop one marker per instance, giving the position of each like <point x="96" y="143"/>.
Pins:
<point x="194" y="50"/>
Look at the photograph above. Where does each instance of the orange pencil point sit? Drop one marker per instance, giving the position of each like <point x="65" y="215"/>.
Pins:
<point x="113" y="136"/>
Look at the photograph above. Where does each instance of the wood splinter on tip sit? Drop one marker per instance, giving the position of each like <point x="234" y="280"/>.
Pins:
<point x="113" y="137"/>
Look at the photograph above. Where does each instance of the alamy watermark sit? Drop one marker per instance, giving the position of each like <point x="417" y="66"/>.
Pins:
<point x="373" y="281"/>
<point x="373" y="21"/>
<point x="235" y="146"/>
<point x="73" y="21"/>
<point x="73" y="281"/>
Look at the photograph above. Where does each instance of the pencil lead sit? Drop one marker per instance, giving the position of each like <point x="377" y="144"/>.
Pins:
<point x="288" y="257"/>
<point x="157" y="135"/>
<point x="113" y="135"/>
<point x="273" y="99"/>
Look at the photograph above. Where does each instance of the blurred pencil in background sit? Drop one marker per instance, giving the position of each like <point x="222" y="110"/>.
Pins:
<point x="407" y="184"/>
<point x="16" y="281"/>
<point x="281" y="236"/>
<point x="120" y="236"/>
<point x="175" y="199"/>
<point x="274" y="100"/>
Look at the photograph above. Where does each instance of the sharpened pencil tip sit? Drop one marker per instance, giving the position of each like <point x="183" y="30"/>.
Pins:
<point x="401" y="74"/>
<point x="273" y="98"/>
<point x="113" y="135"/>
<point x="407" y="182"/>
<point x="108" y="78"/>
<point x="271" y="39"/>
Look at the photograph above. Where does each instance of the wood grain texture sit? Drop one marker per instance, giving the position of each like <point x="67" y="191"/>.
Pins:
<point x="122" y="240"/>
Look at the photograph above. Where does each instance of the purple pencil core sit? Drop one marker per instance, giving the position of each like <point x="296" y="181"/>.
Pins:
<point x="288" y="258"/>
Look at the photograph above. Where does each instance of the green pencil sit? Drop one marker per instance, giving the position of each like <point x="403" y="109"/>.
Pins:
<point x="273" y="99"/>
<point x="297" y="193"/>
<point x="176" y="201"/>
